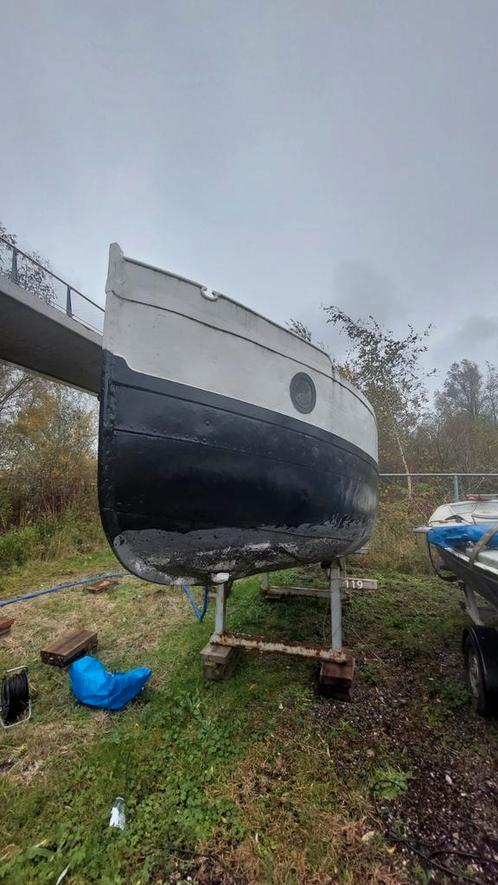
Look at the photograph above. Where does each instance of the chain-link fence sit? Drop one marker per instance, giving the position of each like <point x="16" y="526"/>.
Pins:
<point x="447" y="486"/>
<point x="28" y="273"/>
<point x="394" y="544"/>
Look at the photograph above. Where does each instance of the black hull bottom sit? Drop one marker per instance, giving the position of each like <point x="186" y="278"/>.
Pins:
<point x="192" y="483"/>
<point x="482" y="582"/>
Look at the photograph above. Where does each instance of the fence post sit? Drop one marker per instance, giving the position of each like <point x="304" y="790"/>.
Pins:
<point x="14" y="274"/>
<point x="456" y="487"/>
<point x="69" y="307"/>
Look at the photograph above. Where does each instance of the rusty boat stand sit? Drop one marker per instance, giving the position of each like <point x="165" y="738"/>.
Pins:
<point x="337" y="662"/>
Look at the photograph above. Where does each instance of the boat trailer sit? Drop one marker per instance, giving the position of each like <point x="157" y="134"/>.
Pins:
<point x="337" y="668"/>
<point x="480" y="639"/>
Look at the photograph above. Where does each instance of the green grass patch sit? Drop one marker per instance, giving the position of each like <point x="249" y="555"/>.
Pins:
<point x="53" y="537"/>
<point x="255" y="770"/>
<point x="389" y="782"/>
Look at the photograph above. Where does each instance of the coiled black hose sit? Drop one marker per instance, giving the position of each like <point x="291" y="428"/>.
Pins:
<point x="14" y="697"/>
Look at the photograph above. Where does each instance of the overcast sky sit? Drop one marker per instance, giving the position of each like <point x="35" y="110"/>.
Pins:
<point x="289" y="154"/>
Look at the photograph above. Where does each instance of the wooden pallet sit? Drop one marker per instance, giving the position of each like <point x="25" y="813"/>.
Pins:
<point x="69" y="647"/>
<point x="5" y="625"/>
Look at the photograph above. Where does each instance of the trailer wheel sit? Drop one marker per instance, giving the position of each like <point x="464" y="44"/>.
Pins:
<point x="477" y="661"/>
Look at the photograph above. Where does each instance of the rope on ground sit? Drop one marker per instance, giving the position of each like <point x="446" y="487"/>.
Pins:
<point x="198" y="612"/>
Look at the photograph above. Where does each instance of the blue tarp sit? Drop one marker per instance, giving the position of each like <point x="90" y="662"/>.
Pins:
<point x="458" y="536"/>
<point x="94" y="685"/>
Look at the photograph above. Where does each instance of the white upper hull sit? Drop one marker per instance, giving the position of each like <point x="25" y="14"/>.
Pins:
<point x="217" y="345"/>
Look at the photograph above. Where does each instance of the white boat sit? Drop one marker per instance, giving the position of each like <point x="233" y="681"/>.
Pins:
<point x="462" y="541"/>
<point x="476" y="509"/>
<point x="227" y="444"/>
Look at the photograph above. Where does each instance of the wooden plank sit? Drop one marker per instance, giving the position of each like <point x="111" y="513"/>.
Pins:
<point x="351" y="582"/>
<point x="69" y="647"/>
<point x="5" y="625"/>
<point x="279" y="591"/>
<point x="101" y="586"/>
<point x="336" y="679"/>
<point x="218" y="661"/>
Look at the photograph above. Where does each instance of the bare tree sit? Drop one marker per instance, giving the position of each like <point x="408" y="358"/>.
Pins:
<point x="300" y="329"/>
<point x="31" y="274"/>
<point x="463" y="390"/>
<point x="387" y="369"/>
<point x="491" y="392"/>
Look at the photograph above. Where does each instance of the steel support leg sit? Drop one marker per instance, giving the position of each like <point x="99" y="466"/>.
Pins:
<point x="336" y="677"/>
<point x="221" y="609"/>
<point x="336" y="574"/>
<point x="219" y="660"/>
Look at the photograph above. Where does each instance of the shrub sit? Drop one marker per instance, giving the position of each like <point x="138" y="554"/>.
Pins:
<point x="52" y="537"/>
<point x="394" y="545"/>
<point x="18" y="545"/>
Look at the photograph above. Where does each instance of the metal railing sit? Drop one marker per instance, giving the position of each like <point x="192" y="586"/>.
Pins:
<point x="456" y="477"/>
<point x="32" y="276"/>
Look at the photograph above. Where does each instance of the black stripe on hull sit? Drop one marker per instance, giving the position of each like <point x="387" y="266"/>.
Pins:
<point x="192" y="482"/>
<point x="482" y="582"/>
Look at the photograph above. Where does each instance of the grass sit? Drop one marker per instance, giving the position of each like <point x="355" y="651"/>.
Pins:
<point x="255" y="779"/>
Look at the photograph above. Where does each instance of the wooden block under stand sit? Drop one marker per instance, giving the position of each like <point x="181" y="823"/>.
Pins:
<point x="218" y="661"/>
<point x="336" y="678"/>
<point x="5" y="625"/>
<point x="69" y="647"/>
<point x="101" y="586"/>
<point x="348" y="583"/>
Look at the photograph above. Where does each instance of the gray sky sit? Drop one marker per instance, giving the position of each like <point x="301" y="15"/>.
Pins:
<point x="288" y="154"/>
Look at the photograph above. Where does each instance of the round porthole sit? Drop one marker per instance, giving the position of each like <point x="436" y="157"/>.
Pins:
<point x="303" y="393"/>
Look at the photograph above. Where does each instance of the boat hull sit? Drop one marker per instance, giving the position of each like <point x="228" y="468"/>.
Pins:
<point x="481" y="580"/>
<point x="192" y="482"/>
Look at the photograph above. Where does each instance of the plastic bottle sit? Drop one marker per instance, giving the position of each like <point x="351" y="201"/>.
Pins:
<point x="118" y="816"/>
